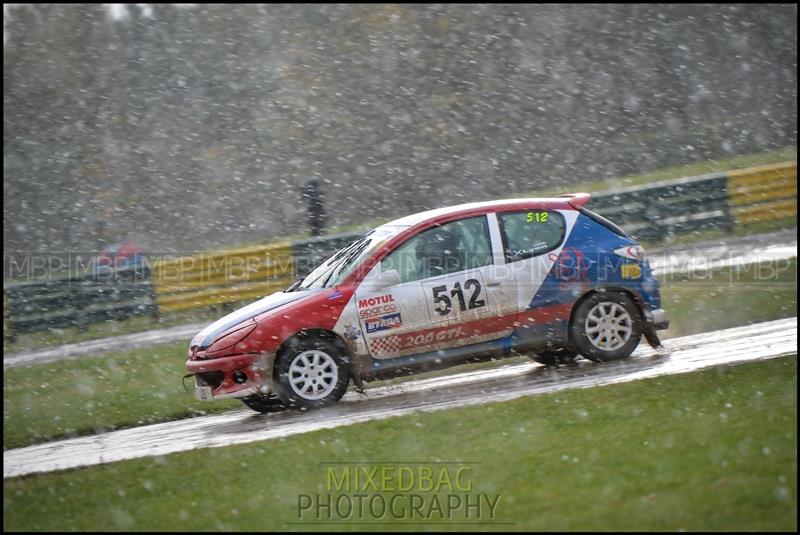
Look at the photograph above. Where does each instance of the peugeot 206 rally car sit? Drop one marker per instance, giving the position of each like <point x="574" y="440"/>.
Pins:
<point x="543" y="277"/>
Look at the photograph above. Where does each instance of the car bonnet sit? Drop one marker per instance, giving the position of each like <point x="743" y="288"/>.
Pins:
<point x="208" y="336"/>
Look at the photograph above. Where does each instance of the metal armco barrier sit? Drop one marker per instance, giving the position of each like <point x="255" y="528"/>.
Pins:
<point x="309" y="253"/>
<point x="651" y="212"/>
<point x="738" y="198"/>
<point x="222" y="277"/>
<point x="764" y="193"/>
<point x="78" y="301"/>
<point x="657" y="211"/>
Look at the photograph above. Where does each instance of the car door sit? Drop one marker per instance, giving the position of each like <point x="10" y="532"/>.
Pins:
<point x="446" y="293"/>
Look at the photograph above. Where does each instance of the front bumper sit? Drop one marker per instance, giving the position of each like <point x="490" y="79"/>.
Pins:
<point x="235" y="376"/>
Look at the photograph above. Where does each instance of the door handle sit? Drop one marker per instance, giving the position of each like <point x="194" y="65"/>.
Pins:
<point x="494" y="282"/>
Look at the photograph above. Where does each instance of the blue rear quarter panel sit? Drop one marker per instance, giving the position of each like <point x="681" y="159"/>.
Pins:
<point x="586" y="262"/>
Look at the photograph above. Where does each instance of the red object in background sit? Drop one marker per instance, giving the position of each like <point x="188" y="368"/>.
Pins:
<point x="119" y="255"/>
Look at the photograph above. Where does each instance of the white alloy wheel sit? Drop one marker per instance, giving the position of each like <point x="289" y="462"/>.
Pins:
<point x="608" y="326"/>
<point x="313" y="374"/>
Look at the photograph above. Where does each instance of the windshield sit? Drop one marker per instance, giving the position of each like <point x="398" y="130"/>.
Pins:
<point x="342" y="262"/>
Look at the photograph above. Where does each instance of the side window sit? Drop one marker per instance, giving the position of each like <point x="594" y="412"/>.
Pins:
<point x="527" y="234"/>
<point x="404" y="260"/>
<point x="449" y="248"/>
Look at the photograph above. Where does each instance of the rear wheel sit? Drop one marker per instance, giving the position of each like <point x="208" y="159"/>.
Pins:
<point x="606" y="326"/>
<point x="312" y="372"/>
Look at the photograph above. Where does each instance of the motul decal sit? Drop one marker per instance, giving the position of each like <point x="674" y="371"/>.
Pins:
<point x="370" y="307"/>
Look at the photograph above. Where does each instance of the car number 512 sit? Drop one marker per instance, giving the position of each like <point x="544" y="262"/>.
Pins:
<point x="444" y="299"/>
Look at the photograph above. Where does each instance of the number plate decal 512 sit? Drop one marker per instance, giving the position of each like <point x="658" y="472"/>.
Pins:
<point x="454" y="297"/>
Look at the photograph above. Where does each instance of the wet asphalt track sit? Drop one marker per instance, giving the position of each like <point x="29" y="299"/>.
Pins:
<point x="679" y="355"/>
<point x="676" y="259"/>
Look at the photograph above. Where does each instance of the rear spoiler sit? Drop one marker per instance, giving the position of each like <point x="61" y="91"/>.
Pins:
<point x="579" y="202"/>
<point x="576" y="200"/>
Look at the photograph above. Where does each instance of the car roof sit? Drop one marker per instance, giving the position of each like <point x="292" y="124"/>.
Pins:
<point x="569" y="201"/>
<point x="399" y="230"/>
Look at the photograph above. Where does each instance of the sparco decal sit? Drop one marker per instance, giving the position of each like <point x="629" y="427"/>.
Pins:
<point x="376" y="306"/>
<point x="384" y="323"/>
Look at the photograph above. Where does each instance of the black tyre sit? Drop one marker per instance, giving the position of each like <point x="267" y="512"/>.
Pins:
<point x="554" y="357"/>
<point x="264" y="403"/>
<point x="607" y="326"/>
<point x="311" y="373"/>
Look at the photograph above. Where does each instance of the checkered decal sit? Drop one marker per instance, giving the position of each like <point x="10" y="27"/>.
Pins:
<point x="388" y="345"/>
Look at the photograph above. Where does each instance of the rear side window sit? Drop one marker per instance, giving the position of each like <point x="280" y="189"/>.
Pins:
<point x="605" y="222"/>
<point x="527" y="234"/>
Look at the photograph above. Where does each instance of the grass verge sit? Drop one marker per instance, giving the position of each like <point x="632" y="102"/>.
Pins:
<point x="710" y="450"/>
<point x="86" y="396"/>
<point x="730" y="296"/>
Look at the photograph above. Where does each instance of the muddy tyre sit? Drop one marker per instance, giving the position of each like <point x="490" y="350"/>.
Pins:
<point x="607" y="326"/>
<point x="311" y="372"/>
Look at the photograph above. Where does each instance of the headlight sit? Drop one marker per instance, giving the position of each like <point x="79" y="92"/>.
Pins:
<point x="230" y="339"/>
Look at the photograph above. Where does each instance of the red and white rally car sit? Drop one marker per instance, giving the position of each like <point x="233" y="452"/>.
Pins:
<point x="544" y="277"/>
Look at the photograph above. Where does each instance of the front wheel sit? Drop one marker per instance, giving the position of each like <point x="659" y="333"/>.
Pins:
<point x="311" y="373"/>
<point x="606" y="326"/>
